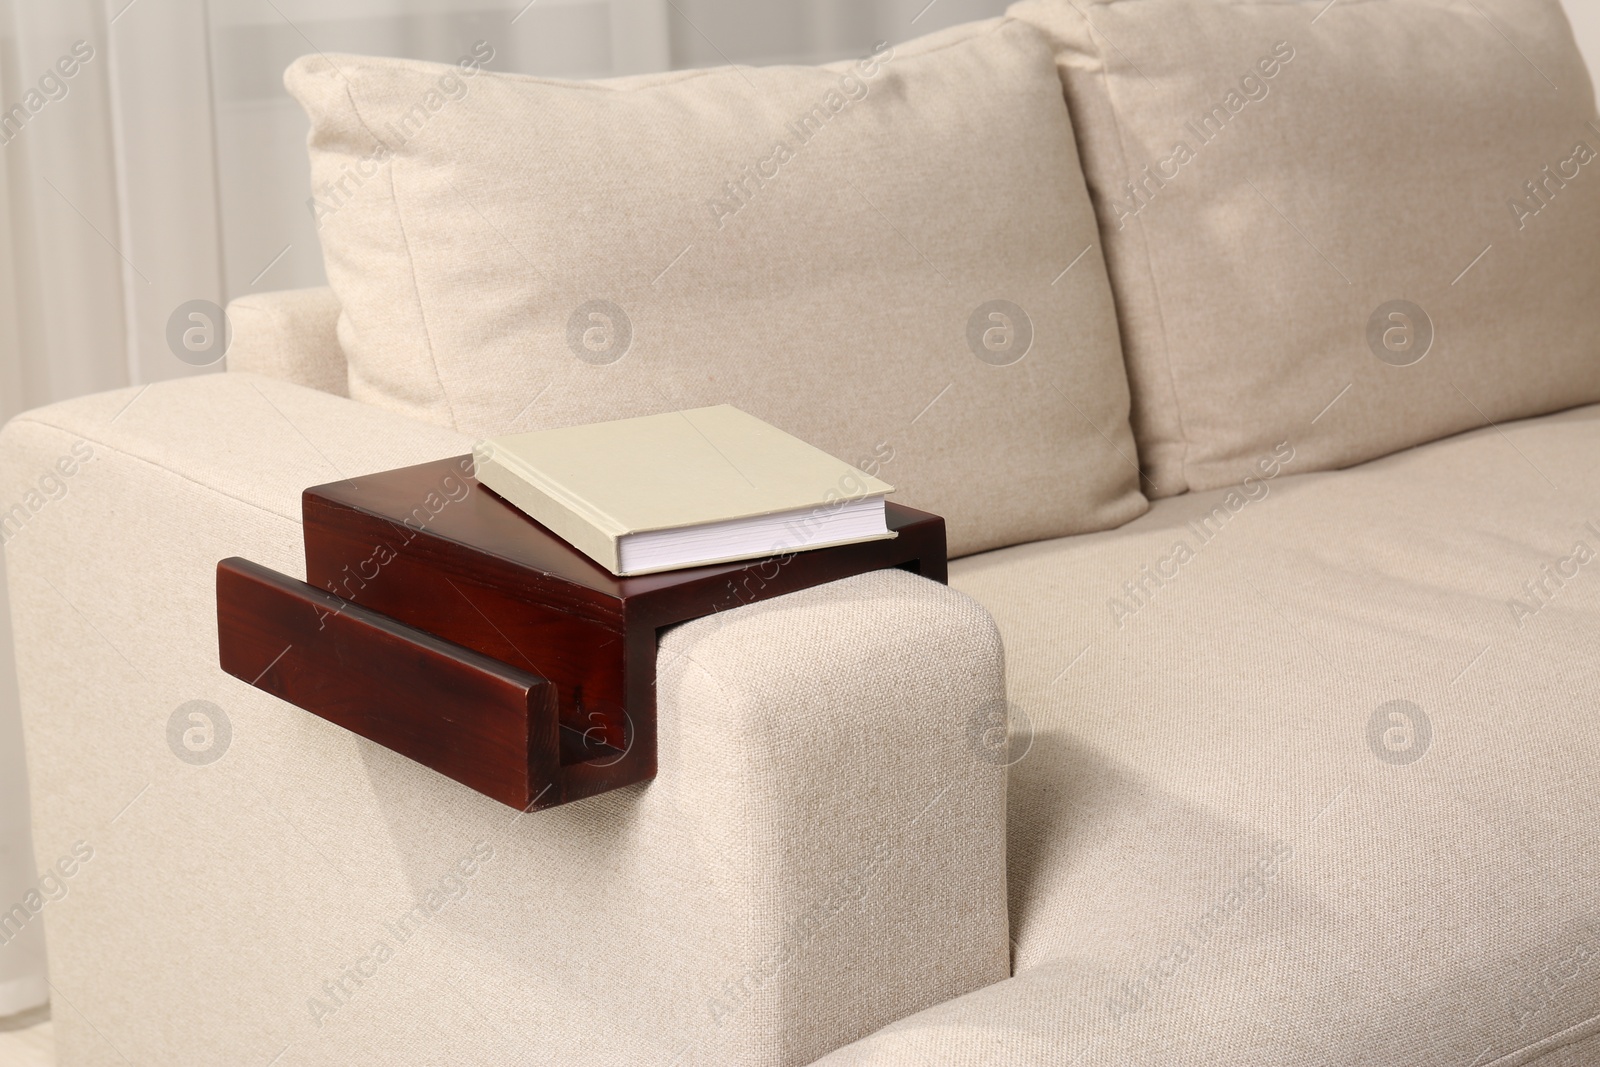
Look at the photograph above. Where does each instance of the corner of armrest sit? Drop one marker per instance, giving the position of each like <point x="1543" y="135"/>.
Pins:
<point x="837" y="723"/>
<point x="292" y="334"/>
<point x="838" y="637"/>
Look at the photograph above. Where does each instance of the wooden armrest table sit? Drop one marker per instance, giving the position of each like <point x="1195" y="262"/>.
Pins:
<point x="442" y="623"/>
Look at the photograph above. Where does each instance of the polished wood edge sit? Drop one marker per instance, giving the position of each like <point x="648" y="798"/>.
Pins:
<point x="481" y="722"/>
<point x="426" y="591"/>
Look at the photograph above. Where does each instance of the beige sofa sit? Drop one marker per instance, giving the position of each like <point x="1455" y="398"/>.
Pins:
<point x="1280" y="750"/>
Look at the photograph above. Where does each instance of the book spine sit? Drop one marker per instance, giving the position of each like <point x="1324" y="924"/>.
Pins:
<point x="572" y="527"/>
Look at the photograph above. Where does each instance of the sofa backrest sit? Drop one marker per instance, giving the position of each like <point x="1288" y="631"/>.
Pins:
<point x="893" y="258"/>
<point x="1346" y="229"/>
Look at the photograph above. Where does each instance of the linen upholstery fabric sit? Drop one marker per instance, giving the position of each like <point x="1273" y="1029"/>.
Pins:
<point x="536" y="253"/>
<point x="1378" y="163"/>
<point x="798" y="874"/>
<point x="1216" y="859"/>
<point x="291" y="335"/>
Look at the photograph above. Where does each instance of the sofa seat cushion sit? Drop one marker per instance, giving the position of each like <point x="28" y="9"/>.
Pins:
<point x="1230" y="845"/>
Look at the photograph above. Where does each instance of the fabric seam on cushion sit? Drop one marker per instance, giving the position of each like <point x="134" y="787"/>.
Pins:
<point x="416" y="290"/>
<point x="1554" y="1043"/>
<point x="597" y="85"/>
<point x="30" y="420"/>
<point x="411" y="261"/>
<point x="1150" y="273"/>
<point x="344" y="306"/>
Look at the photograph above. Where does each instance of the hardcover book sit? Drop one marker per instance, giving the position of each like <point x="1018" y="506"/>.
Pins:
<point x="683" y="488"/>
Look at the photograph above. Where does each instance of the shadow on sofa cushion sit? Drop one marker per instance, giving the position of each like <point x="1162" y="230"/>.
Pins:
<point x="1325" y="794"/>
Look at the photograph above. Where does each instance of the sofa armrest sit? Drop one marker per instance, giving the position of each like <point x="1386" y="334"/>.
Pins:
<point x="822" y="850"/>
<point x="291" y="335"/>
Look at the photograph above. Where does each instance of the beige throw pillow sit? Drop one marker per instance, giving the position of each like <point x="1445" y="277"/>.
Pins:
<point x="1353" y="227"/>
<point x="879" y="256"/>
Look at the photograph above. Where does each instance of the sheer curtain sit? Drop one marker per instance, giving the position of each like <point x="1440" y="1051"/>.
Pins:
<point x="169" y="165"/>
<point x="261" y="132"/>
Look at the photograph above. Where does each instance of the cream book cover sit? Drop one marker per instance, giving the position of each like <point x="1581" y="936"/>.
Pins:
<point x="683" y="488"/>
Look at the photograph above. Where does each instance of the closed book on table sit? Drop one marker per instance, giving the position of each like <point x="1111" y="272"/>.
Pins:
<point x="683" y="488"/>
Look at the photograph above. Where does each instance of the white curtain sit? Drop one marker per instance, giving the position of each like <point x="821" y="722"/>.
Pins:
<point x="169" y="165"/>
<point x="62" y="329"/>
<point x="269" y="241"/>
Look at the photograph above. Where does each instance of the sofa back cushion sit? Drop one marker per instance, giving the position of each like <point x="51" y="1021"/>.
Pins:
<point x="879" y="256"/>
<point x="1352" y="227"/>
